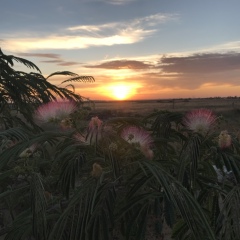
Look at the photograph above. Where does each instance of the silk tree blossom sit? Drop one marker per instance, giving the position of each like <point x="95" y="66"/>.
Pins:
<point x="94" y="130"/>
<point x="199" y="120"/>
<point x="224" y="139"/>
<point x="139" y="138"/>
<point x="55" y="111"/>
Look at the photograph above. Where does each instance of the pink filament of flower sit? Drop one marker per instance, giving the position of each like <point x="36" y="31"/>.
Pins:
<point x="139" y="138"/>
<point x="55" y="111"/>
<point x="199" y="118"/>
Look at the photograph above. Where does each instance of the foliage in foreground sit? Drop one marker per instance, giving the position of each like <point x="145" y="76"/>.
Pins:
<point x="21" y="92"/>
<point x="79" y="178"/>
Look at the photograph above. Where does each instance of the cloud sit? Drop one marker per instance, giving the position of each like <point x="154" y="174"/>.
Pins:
<point x="201" y="63"/>
<point x="61" y="62"/>
<point x="121" y="64"/>
<point x="85" y="36"/>
<point x="143" y="23"/>
<point x="195" y="71"/>
<point x="44" y="55"/>
<point x="192" y="72"/>
<point x="68" y="63"/>
<point x="229" y="46"/>
<point x="175" y="65"/>
<point x="56" y="57"/>
<point x="118" y="2"/>
<point x="191" y="82"/>
<point x="52" y="61"/>
<point x="73" y="42"/>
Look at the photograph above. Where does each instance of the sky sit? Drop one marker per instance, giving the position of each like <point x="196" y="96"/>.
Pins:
<point x="134" y="49"/>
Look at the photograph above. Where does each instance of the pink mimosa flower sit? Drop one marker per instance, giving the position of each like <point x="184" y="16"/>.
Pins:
<point x="224" y="140"/>
<point x="199" y="120"/>
<point x="139" y="138"/>
<point x="94" y="130"/>
<point x="55" y="111"/>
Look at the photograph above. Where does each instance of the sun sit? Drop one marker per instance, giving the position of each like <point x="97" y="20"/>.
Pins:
<point x="121" y="91"/>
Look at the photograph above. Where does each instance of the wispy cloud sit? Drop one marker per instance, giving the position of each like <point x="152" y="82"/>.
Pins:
<point x="113" y="2"/>
<point x="71" y="42"/>
<point x="144" y="23"/>
<point x="56" y="57"/>
<point x="41" y="55"/>
<point x="62" y="63"/>
<point x="52" y="61"/>
<point x="121" y="64"/>
<point x="69" y="63"/>
<point x="228" y="46"/>
<point x="118" y="2"/>
<point x="85" y="36"/>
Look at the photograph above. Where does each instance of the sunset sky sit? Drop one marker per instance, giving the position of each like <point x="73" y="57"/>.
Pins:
<point x="135" y="49"/>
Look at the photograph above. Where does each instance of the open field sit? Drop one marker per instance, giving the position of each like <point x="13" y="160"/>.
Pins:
<point x="149" y="106"/>
<point x="227" y="108"/>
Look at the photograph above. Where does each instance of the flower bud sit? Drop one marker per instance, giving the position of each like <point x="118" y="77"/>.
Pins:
<point x="96" y="170"/>
<point x="224" y="140"/>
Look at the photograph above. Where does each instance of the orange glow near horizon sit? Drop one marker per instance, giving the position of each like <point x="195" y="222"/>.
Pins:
<point x="135" y="91"/>
<point x="119" y="91"/>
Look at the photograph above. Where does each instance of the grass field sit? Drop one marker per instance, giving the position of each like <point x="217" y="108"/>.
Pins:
<point x="227" y="108"/>
<point x="149" y="106"/>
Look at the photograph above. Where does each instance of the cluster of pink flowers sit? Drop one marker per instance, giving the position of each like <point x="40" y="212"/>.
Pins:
<point x="139" y="138"/>
<point x="55" y="111"/>
<point x="199" y="120"/>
